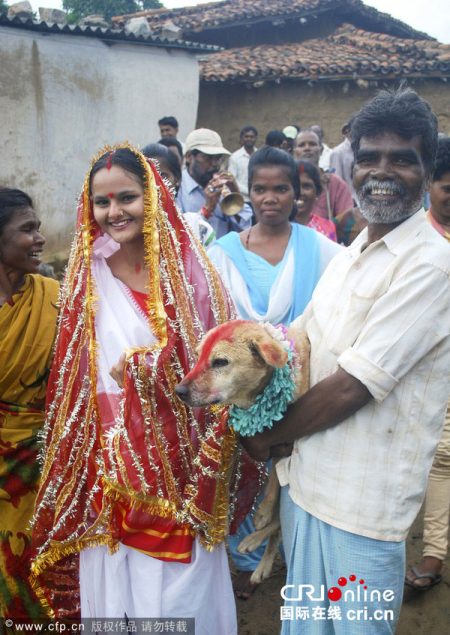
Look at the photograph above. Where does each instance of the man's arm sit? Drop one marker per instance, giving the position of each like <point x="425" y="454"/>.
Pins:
<point x="326" y="404"/>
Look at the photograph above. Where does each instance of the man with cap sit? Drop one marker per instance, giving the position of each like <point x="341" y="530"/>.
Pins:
<point x="291" y="132"/>
<point x="202" y="183"/>
<point x="341" y="159"/>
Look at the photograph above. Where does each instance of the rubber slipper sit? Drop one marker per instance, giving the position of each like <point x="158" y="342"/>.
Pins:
<point x="246" y="587"/>
<point x="433" y="577"/>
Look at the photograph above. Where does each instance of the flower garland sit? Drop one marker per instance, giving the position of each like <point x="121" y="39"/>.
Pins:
<point x="271" y="404"/>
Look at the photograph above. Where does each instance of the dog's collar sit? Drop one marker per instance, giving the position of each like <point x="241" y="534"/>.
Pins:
<point x="271" y="404"/>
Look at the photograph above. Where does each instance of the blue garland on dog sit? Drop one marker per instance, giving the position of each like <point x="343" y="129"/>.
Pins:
<point x="269" y="406"/>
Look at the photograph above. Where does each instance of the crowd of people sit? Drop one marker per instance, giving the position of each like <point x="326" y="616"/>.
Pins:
<point x="116" y="498"/>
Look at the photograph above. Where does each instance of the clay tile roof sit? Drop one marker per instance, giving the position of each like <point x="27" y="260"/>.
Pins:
<point x="348" y="52"/>
<point x="107" y="35"/>
<point x="228" y="12"/>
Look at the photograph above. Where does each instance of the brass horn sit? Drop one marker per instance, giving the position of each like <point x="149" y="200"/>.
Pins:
<point x="231" y="203"/>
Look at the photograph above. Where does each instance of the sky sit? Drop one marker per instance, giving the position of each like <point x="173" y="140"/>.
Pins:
<point x="430" y="16"/>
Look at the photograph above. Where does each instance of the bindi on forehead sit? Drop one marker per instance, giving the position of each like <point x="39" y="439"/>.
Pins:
<point x="110" y="195"/>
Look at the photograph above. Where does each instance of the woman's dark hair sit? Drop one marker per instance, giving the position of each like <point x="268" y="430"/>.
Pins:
<point x="442" y="159"/>
<point x="273" y="156"/>
<point x="171" y="141"/>
<point x="124" y="158"/>
<point x="158" y="151"/>
<point x="10" y="200"/>
<point x="305" y="167"/>
<point x="275" y="138"/>
<point x="404" y="113"/>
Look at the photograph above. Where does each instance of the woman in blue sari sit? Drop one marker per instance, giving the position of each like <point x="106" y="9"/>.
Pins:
<point x="271" y="271"/>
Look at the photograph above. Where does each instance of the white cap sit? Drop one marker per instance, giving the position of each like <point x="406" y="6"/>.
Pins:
<point x="206" y="141"/>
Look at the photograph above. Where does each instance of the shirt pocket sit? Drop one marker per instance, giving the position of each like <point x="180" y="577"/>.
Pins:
<point x="349" y="321"/>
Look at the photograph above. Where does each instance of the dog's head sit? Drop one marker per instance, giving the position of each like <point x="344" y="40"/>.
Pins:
<point x="236" y="362"/>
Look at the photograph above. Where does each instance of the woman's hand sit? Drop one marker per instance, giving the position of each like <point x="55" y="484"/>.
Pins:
<point x="117" y="372"/>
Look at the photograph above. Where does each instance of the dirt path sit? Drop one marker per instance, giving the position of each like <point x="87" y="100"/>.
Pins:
<point x="422" y="613"/>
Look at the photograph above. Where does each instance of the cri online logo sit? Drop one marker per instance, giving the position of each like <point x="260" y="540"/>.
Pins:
<point x="335" y="593"/>
<point x="358" y="593"/>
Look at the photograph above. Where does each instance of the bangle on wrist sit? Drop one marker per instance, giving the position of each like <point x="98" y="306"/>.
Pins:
<point x="206" y="213"/>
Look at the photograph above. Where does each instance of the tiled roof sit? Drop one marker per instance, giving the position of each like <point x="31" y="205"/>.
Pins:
<point x="107" y="35"/>
<point x="349" y="52"/>
<point x="231" y="12"/>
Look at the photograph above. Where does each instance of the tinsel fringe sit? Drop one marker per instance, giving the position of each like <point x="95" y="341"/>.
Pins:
<point x="57" y="553"/>
<point x="151" y="504"/>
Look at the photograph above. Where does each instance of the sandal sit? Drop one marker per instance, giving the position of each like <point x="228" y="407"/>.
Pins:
<point x="433" y="577"/>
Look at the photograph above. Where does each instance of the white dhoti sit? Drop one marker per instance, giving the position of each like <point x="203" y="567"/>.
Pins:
<point x="132" y="583"/>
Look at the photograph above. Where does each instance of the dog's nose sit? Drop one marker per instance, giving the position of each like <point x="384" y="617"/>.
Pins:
<point x="182" y="391"/>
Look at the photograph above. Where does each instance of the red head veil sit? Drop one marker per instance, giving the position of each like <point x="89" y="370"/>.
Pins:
<point x="161" y="460"/>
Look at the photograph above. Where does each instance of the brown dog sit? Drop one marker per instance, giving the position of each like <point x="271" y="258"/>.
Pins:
<point x="236" y="363"/>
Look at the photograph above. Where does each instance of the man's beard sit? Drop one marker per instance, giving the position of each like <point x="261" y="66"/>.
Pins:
<point x="202" y="178"/>
<point x="387" y="212"/>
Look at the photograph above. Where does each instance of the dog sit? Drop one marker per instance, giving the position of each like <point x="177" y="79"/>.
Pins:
<point x="236" y="363"/>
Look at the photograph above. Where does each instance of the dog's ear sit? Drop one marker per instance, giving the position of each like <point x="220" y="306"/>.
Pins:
<point x="269" y="349"/>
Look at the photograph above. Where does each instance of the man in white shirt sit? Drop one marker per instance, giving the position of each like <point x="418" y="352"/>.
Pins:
<point x="365" y="433"/>
<point x="341" y="157"/>
<point x="238" y="165"/>
<point x="324" y="160"/>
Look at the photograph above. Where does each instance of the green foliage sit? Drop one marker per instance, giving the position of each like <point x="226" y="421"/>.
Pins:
<point x="78" y="9"/>
<point x="3" y="7"/>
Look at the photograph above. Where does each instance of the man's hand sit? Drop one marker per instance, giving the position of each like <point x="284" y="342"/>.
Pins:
<point x="212" y="195"/>
<point x="228" y="181"/>
<point x="257" y="446"/>
<point x="117" y="372"/>
<point x="281" y="449"/>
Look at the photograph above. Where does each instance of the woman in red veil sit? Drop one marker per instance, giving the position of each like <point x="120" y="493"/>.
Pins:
<point x="137" y="488"/>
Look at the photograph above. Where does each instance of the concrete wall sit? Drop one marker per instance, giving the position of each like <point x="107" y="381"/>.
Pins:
<point x="63" y="97"/>
<point x="227" y="108"/>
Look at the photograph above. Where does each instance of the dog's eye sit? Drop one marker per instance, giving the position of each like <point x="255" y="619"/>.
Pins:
<point x="217" y="363"/>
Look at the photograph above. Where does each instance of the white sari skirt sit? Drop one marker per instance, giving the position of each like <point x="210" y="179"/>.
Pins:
<point x="131" y="583"/>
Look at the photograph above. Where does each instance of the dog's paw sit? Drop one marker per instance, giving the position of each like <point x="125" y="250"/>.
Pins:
<point x="250" y="543"/>
<point x="262" y="571"/>
<point x="263" y="516"/>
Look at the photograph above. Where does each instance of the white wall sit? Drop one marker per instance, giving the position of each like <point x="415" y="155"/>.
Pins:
<point x="63" y="97"/>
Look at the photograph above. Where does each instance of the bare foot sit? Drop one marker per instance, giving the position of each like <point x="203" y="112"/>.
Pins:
<point x="429" y="566"/>
<point x="243" y="586"/>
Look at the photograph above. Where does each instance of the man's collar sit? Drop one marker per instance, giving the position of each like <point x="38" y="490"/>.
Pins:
<point x="244" y="152"/>
<point x="393" y="238"/>
<point x="191" y="183"/>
